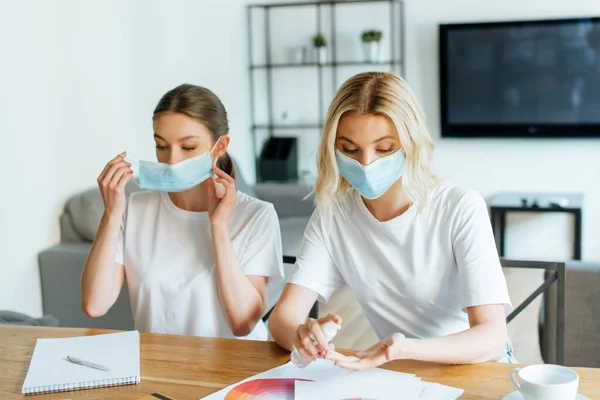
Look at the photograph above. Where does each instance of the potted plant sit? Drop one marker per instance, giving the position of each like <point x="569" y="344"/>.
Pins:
<point x="320" y="45"/>
<point x="371" y="48"/>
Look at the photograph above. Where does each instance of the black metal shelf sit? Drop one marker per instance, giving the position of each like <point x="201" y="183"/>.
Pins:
<point x="289" y="126"/>
<point x="327" y="73"/>
<point x="317" y="3"/>
<point x="330" y="64"/>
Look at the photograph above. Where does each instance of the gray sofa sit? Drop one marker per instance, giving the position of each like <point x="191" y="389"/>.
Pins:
<point x="61" y="265"/>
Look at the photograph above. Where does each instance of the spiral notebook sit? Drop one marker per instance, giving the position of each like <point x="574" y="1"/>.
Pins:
<point x="50" y="371"/>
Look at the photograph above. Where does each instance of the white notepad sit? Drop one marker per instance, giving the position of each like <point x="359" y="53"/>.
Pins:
<point x="50" y="371"/>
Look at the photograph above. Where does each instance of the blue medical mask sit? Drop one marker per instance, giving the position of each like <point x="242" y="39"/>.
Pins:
<point x="375" y="179"/>
<point x="178" y="177"/>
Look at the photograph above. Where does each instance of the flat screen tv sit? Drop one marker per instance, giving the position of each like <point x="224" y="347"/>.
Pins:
<point x="521" y="79"/>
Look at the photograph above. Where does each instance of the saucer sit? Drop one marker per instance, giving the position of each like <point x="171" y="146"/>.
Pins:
<point x="517" y="396"/>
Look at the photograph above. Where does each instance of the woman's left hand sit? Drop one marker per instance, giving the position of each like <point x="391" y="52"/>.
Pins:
<point x="386" y="350"/>
<point x="220" y="209"/>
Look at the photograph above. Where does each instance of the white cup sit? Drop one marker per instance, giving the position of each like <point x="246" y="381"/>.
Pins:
<point x="546" y="382"/>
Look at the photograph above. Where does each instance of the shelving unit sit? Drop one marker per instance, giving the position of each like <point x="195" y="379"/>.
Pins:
<point x="394" y="62"/>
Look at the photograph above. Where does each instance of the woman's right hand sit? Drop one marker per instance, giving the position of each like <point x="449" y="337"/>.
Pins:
<point x="309" y="340"/>
<point x="112" y="182"/>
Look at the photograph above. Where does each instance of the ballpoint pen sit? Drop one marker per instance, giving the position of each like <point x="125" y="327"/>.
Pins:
<point x="86" y="363"/>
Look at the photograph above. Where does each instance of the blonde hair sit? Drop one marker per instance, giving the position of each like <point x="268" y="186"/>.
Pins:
<point x="377" y="93"/>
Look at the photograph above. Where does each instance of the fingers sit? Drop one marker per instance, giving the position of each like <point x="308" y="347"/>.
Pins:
<point x="371" y="360"/>
<point x="114" y="181"/>
<point x="121" y="166"/>
<point x="335" y="356"/>
<point x="361" y="364"/>
<point x="297" y="344"/>
<point x="330" y="317"/>
<point x="126" y="177"/>
<point x="222" y="174"/>
<point x="306" y="344"/>
<point x="120" y="157"/>
<point x="212" y="190"/>
<point x="229" y="185"/>
<point x="229" y="188"/>
<point x="317" y="334"/>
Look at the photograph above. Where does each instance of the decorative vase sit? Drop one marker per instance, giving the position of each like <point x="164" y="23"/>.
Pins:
<point x="371" y="52"/>
<point x="321" y="55"/>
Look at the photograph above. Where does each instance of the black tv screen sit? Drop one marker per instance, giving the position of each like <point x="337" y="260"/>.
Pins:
<point x="521" y="79"/>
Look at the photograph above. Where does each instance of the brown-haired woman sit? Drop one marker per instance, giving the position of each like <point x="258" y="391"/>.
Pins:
<point x="197" y="262"/>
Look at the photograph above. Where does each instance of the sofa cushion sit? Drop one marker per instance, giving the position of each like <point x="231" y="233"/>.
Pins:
<point x="15" y="318"/>
<point x="60" y="279"/>
<point x="86" y="210"/>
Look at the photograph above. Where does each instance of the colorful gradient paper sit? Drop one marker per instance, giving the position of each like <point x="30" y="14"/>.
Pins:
<point x="264" y="389"/>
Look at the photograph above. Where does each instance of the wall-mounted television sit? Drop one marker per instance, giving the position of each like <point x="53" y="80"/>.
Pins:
<point x="520" y="79"/>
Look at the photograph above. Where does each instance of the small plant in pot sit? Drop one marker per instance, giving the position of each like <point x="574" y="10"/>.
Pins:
<point x="371" y="45"/>
<point x="320" y="45"/>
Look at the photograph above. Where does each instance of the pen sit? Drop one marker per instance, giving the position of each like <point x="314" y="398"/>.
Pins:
<point x="86" y="363"/>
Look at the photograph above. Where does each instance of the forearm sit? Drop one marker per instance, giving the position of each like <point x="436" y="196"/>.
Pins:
<point x="283" y="327"/>
<point x="242" y="303"/>
<point x="481" y="343"/>
<point x="102" y="278"/>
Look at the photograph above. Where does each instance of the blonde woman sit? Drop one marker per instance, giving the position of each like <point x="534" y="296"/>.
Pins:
<point x="418" y="253"/>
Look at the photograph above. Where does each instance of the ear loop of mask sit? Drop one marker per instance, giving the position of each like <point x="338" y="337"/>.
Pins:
<point x="219" y="187"/>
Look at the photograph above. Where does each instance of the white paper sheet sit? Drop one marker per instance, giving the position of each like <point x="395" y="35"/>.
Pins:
<point x="323" y="380"/>
<point x="278" y="383"/>
<point x="377" y="384"/>
<point x="435" y="391"/>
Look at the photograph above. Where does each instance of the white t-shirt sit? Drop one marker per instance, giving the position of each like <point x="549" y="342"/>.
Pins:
<point x="170" y="267"/>
<point x="415" y="274"/>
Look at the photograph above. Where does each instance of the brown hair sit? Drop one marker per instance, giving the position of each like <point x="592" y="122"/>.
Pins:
<point x="204" y="106"/>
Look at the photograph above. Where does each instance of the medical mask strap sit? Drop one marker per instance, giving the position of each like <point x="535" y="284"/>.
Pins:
<point x="129" y="160"/>
<point x="215" y="146"/>
<point x="213" y="149"/>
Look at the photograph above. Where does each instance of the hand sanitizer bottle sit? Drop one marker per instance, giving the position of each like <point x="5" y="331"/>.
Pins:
<point x="329" y="329"/>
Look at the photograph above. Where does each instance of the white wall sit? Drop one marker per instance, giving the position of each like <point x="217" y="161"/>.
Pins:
<point x="520" y="165"/>
<point x="488" y="165"/>
<point x="78" y="83"/>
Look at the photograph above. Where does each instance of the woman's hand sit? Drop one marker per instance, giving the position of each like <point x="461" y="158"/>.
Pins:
<point x="220" y="209"/>
<point x="112" y="182"/>
<point x="309" y="340"/>
<point x="386" y="350"/>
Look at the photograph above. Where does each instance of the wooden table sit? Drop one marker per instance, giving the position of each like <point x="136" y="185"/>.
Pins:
<point x="191" y="367"/>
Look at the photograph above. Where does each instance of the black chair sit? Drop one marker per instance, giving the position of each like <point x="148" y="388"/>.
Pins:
<point x="553" y="332"/>
<point x="314" y="311"/>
